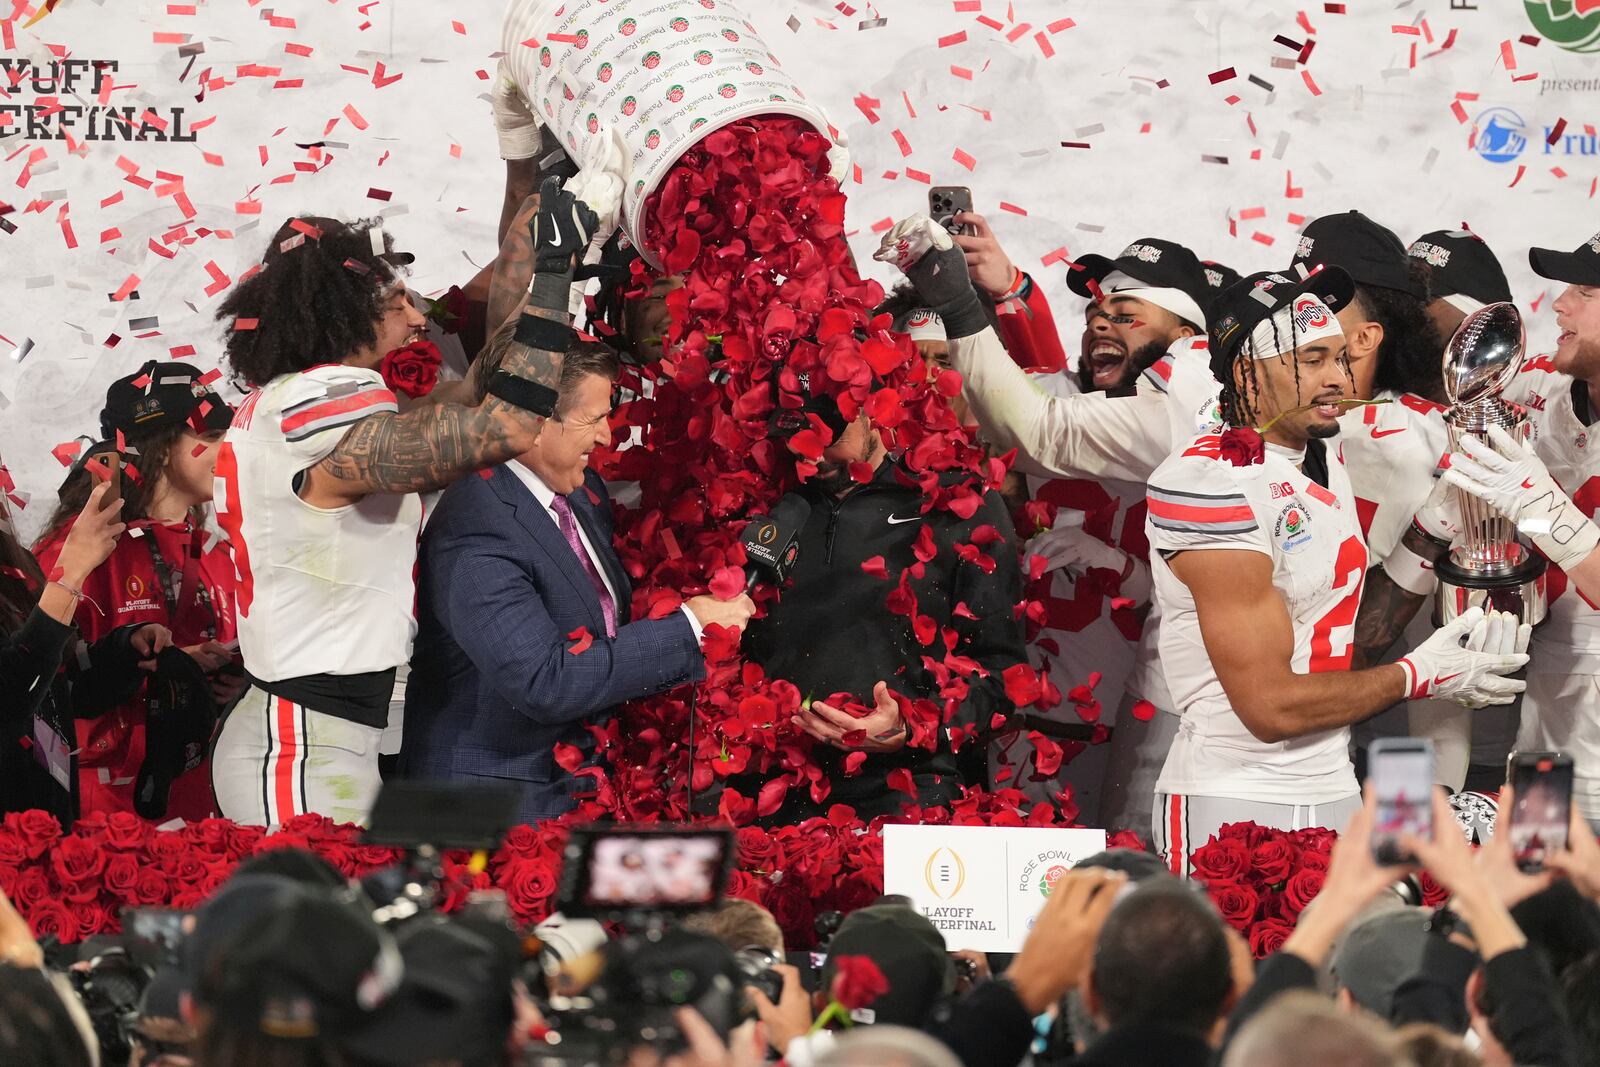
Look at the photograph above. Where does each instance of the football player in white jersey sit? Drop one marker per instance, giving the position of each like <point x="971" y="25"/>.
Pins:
<point x="317" y="484"/>
<point x="1551" y="491"/>
<point x="1259" y="563"/>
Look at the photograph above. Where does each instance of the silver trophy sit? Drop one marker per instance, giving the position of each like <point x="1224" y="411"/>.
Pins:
<point x="1488" y="566"/>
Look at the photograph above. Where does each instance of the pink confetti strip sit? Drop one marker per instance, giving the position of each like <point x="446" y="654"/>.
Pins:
<point x="900" y="139"/>
<point x="964" y="158"/>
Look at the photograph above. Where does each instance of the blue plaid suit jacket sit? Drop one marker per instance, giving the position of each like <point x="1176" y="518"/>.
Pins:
<point x="493" y="686"/>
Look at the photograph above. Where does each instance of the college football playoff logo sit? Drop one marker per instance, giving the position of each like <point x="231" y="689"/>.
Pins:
<point x="944" y="873"/>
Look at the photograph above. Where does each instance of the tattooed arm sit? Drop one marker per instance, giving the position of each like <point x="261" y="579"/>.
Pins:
<point x="513" y="267"/>
<point x="1386" y="608"/>
<point x="522" y="181"/>
<point x="429" y="447"/>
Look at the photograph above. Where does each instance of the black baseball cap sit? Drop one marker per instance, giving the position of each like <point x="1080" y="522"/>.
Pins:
<point x="160" y="394"/>
<point x="454" y="1003"/>
<point x="1369" y="253"/>
<point x="908" y="949"/>
<point x="787" y="421"/>
<point x="1258" y="296"/>
<point x="1460" y="263"/>
<point x="1581" y="266"/>
<point x="290" y="960"/>
<point x="1159" y="263"/>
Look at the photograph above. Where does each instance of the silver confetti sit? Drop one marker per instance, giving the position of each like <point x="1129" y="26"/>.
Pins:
<point x="20" y="353"/>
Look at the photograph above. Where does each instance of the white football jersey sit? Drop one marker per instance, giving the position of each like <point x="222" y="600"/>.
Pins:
<point x="1199" y="500"/>
<point x="1084" y="633"/>
<point x="1392" y="451"/>
<point x="321" y="591"/>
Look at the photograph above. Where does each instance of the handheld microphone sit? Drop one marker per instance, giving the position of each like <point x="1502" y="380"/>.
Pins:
<point x="772" y="542"/>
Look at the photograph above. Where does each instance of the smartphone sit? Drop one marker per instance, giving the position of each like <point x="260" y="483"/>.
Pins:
<point x="611" y="870"/>
<point x="1542" y="808"/>
<point x="112" y="461"/>
<point x="1401" y="772"/>
<point x="947" y="201"/>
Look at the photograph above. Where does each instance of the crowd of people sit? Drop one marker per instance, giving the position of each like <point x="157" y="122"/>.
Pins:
<point x="1232" y="500"/>
<point x="289" y="965"/>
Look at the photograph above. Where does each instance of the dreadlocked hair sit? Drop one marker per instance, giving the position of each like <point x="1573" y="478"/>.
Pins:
<point x="1408" y="357"/>
<point x="1238" y="408"/>
<point x="147" y="454"/>
<point x="317" y="297"/>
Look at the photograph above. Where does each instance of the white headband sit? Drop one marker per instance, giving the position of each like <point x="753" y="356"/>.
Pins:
<point x="1176" y="301"/>
<point x="1305" y="320"/>
<point x="923" y="324"/>
<point x="1464" y="303"/>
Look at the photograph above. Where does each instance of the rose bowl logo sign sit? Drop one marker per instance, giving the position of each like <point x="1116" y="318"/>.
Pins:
<point x="1572" y="24"/>
<point x="1048" y="880"/>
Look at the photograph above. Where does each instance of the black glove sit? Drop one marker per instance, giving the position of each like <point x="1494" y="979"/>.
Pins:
<point x="561" y="229"/>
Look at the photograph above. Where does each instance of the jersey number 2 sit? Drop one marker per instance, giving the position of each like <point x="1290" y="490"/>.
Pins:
<point x="1325" y="656"/>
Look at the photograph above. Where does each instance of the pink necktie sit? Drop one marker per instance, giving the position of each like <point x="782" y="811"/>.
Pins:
<point x="569" y="530"/>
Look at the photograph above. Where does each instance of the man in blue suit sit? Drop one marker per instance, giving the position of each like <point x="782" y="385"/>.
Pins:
<point x="511" y="566"/>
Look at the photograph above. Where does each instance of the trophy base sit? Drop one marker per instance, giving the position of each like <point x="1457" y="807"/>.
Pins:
<point x="1520" y="589"/>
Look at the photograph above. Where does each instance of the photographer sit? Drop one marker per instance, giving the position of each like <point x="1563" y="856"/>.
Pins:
<point x="167" y="424"/>
<point x="42" y="1024"/>
<point x="832" y="633"/>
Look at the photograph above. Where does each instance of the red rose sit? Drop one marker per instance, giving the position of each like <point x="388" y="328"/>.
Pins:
<point x="1315" y="839"/>
<point x="38" y="830"/>
<point x="412" y="370"/>
<point x="151" y="888"/>
<point x="1236" y="903"/>
<point x="1268" y="936"/>
<point x="244" y="840"/>
<point x="1242" y="446"/>
<point x="93" y="918"/>
<point x="51" y="918"/>
<point x="1302" y="889"/>
<point x="1220" y="861"/>
<point x="125" y="830"/>
<point x="857" y="981"/>
<point x="122" y="877"/>
<point x="75" y="860"/>
<point x="162" y="848"/>
<point x="13" y="849"/>
<point x="189" y="871"/>
<point x="793" y="910"/>
<point x="758" y="850"/>
<point x="450" y="310"/>
<point x="216" y="875"/>
<point x="1273" y="860"/>
<point x="1313" y="861"/>
<point x="31" y="889"/>
<point x="8" y="879"/>
<point x="1433" y="894"/>
<point x="1127" y="839"/>
<point x="528" y="884"/>
<point x="209" y="835"/>
<point x="186" y="900"/>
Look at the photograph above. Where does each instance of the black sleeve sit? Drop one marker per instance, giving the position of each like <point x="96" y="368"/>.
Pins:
<point x="108" y="677"/>
<point x="1280" y="973"/>
<point x="1437" y="992"/>
<point x="988" y="1027"/>
<point x="994" y="638"/>
<point x="1525" y="1009"/>
<point x="29" y="660"/>
<point x="1562" y="923"/>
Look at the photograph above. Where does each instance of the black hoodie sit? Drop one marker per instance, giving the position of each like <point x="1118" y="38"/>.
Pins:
<point x="832" y="630"/>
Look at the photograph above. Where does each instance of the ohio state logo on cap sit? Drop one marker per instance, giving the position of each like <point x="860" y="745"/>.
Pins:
<point x="1310" y="314"/>
<point x="919" y="317"/>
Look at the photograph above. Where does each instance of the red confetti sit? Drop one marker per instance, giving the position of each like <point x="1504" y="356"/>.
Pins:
<point x="964" y="158"/>
<point x="1143" y="710"/>
<point x="1223" y="75"/>
<point x="582" y="639"/>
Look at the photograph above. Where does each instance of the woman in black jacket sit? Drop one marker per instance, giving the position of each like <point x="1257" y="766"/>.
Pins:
<point x="38" y="700"/>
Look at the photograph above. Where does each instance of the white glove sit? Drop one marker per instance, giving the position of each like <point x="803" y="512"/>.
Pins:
<point x="600" y="181"/>
<point x="515" y="124"/>
<point x="1513" y="481"/>
<point x="1440" y="515"/>
<point x="1074" y="550"/>
<point x="1471" y="673"/>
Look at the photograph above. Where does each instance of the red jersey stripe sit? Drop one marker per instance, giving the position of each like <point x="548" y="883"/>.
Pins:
<point x="343" y="405"/>
<point x="1218" y="513"/>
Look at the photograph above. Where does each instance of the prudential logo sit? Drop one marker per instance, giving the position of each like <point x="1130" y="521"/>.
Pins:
<point x="1572" y="24"/>
<point x="1501" y="135"/>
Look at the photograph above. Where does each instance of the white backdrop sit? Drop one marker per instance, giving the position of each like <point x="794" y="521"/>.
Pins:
<point x="394" y="92"/>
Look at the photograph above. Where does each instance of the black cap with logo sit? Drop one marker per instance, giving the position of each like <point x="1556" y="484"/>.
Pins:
<point x="162" y="394"/>
<point x="1460" y="263"/>
<point x="1369" y="253"/>
<point x="1151" y="260"/>
<point x="1253" y="299"/>
<point x="908" y="949"/>
<point x="785" y="422"/>
<point x="1581" y="266"/>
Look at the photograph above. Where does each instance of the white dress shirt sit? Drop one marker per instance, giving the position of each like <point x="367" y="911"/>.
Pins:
<point x="546" y="498"/>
